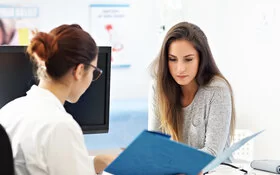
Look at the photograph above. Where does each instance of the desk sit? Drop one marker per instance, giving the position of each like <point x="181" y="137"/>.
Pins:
<point x="253" y="172"/>
<point x="226" y="170"/>
<point x="222" y="170"/>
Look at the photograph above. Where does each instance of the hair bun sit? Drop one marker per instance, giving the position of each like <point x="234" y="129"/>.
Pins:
<point x="44" y="45"/>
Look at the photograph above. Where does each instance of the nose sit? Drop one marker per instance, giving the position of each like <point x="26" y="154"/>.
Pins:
<point x="181" y="67"/>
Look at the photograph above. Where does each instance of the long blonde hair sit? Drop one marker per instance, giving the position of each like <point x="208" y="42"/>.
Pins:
<point x="168" y="92"/>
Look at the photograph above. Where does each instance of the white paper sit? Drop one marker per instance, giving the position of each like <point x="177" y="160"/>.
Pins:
<point x="228" y="152"/>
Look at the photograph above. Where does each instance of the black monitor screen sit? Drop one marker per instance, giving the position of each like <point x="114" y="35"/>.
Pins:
<point x="91" y="111"/>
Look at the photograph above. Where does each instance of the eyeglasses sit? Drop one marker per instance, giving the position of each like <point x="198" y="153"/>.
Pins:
<point x="96" y="72"/>
<point x="232" y="166"/>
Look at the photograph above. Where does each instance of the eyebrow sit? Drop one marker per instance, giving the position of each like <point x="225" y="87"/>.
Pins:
<point x="184" y="56"/>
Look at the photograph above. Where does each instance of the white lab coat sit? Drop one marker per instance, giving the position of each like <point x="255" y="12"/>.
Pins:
<point x="45" y="139"/>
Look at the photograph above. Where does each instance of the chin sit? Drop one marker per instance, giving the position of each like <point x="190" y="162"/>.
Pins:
<point x="73" y="100"/>
<point x="182" y="83"/>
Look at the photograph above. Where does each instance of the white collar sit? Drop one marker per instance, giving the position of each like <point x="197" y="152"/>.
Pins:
<point x="46" y="94"/>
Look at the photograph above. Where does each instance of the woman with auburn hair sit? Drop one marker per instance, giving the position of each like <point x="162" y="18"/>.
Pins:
<point x="46" y="140"/>
<point x="190" y="99"/>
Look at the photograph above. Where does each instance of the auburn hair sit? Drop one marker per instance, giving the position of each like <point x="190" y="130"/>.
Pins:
<point x="62" y="48"/>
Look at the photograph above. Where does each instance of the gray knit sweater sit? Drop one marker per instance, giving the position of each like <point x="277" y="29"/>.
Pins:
<point x="207" y="118"/>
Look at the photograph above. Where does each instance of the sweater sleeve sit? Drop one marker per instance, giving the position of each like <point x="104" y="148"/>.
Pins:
<point x="218" y="123"/>
<point x="153" y="114"/>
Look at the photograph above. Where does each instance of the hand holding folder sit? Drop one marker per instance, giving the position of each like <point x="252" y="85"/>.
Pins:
<point x="153" y="153"/>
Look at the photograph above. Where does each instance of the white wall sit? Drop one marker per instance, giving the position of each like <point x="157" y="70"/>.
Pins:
<point x="134" y="82"/>
<point x="244" y="37"/>
<point x="143" y="20"/>
<point x="253" y="52"/>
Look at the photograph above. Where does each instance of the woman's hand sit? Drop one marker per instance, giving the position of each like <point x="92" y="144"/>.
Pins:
<point x="102" y="161"/>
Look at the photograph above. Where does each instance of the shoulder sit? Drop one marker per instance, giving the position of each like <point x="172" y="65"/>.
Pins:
<point x="153" y="83"/>
<point x="217" y="88"/>
<point x="44" y="115"/>
<point x="218" y="85"/>
<point x="59" y="119"/>
<point x="218" y="82"/>
<point x="16" y="102"/>
<point x="12" y="110"/>
<point x="55" y="132"/>
<point x="152" y="87"/>
<point x="66" y="125"/>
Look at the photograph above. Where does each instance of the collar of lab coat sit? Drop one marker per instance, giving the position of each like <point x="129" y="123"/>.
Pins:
<point x="44" y="93"/>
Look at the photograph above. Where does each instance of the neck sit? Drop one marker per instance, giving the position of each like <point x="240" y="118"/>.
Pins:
<point x="189" y="92"/>
<point x="60" y="90"/>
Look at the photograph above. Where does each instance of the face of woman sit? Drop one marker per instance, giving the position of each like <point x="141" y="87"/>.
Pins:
<point x="80" y="86"/>
<point x="183" y="62"/>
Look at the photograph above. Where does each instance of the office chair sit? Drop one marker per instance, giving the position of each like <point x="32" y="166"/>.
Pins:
<point x="6" y="154"/>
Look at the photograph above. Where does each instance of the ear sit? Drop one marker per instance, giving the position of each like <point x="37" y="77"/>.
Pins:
<point x="79" y="72"/>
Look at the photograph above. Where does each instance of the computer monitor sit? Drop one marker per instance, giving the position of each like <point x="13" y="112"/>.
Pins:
<point x="91" y="111"/>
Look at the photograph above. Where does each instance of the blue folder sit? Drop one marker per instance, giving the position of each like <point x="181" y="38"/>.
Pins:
<point x="153" y="153"/>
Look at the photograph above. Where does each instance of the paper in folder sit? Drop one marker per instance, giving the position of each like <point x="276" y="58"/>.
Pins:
<point x="153" y="153"/>
<point x="267" y="165"/>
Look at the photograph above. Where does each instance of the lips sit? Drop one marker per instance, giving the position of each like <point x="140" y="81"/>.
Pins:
<point x="181" y="76"/>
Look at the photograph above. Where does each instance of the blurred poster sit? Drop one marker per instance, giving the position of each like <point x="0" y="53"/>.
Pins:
<point x="108" y="26"/>
<point x="17" y="23"/>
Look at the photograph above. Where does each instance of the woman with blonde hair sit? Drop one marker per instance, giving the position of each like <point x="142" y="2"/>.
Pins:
<point x="190" y="99"/>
